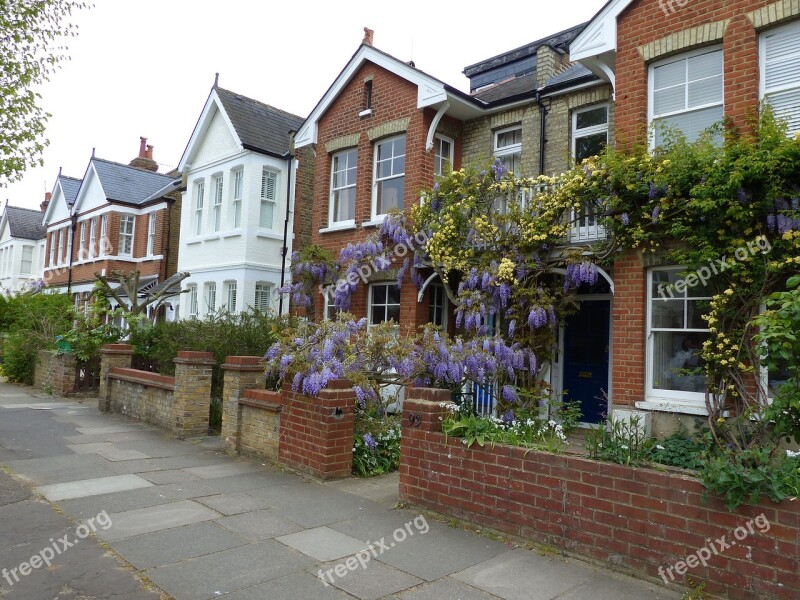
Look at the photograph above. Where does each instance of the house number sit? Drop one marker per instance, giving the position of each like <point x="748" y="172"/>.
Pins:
<point x="415" y="420"/>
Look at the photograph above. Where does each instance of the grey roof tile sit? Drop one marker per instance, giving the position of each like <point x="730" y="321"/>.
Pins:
<point x="260" y="127"/>
<point x="127" y="184"/>
<point x="575" y="71"/>
<point x="507" y="89"/>
<point x="25" y="223"/>
<point x="70" y="187"/>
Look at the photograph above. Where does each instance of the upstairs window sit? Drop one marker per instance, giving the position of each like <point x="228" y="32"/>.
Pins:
<point x="199" y="192"/>
<point x="60" y="258"/>
<point x="343" y="188"/>
<point x="103" y="235"/>
<point x="508" y="148"/>
<point x="151" y="234"/>
<point x="589" y="132"/>
<point x="216" y="209"/>
<point x="82" y="242"/>
<point x="443" y="157"/>
<point x="238" y="191"/>
<point x="26" y="264"/>
<point x="390" y="176"/>
<point x="269" y="191"/>
<point x="686" y="93"/>
<point x="780" y="73"/>
<point x="126" y="227"/>
<point x="52" y="261"/>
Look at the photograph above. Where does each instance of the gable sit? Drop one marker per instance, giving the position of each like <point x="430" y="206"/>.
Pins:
<point x="5" y="234"/>
<point x="600" y="35"/>
<point x="57" y="210"/>
<point x="216" y="142"/>
<point x="91" y="194"/>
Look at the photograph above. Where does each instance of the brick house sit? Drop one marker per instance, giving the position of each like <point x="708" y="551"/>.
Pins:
<point x="687" y="65"/>
<point x="21" y="247"/>
<point x="237" y="215"/>
<point x="118" y="217"/>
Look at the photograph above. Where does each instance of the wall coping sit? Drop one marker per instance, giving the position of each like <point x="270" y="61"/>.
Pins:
<point x="261" y="404"/>
<point x="192" y="357"/>
<point x="243" y="363"/>
<point x="144" y="378"/>
<point x="261" y="395"/>
<point x="116" y="349"/>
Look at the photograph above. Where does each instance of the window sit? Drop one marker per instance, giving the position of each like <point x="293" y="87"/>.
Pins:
<point x="443" y="157"/>
<point x="82" y="242"/>
<point x="269" y="190"/>
<point x="151" y="234"/>
<point x="329" y="311"/>
<point x="508" y="148"/>
<point x="230" y="296"/>
<point x="343" y="187"/>
<point x="368" y="94"/>
<point x="780" y="73"/>
<point x="676" y="332"/>
<point x="60" y="258"/>
<point x="211" y="298"/>
<point x="686" y="93"/>
<point x="263" y="292"/>
<point x="216" y="208"/>
<point x="589" y="132"/>
<point x="52" y="249"/>
<point x="238" y="189"/>
<point x="199" y="192"/>
<point x="92" y="236"/>
<point x="193" y="301"/>
<point x="437" y="309"/>
<point x="384" y="303"/>
<point x="104" y="245"/>
<point x="26" y="265"/>
<point x="390" y="176"/>
<point x="126" y="225"/>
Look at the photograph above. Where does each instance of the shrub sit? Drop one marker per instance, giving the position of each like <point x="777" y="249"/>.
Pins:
<point x="376" y="443"/>
<point x="621" y="442"/>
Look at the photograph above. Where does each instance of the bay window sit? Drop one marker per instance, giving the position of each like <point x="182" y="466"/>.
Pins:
<point x="780" y="73"/>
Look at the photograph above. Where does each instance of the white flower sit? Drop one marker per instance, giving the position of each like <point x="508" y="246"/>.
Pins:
<point x="624" y="447"/>
<point x="659" y="446"/>
<point x="791" y="454"/>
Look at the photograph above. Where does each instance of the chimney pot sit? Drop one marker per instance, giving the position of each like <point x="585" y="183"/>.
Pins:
<point x="142" y="147"/>
<point x="47" y="196"/>
<point x="149" y="151"/>
<point x="369" y="35"/>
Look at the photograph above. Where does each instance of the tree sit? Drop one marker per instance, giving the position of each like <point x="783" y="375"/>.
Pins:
<point x="129" y="296"/>
<point x="32" y="34"/>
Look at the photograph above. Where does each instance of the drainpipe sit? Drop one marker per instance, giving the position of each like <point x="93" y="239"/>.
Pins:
<point x="289" y="166"/>
<point x="543" y="110"/>
<point x="74" y="219"/>
<point x="169" y="235"/>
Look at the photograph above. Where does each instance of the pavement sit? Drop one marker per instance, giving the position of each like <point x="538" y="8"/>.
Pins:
<point x="147" y="517"/>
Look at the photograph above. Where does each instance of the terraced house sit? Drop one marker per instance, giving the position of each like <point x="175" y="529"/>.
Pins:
<point x="118" y="217"/>
<point x="21" y="248"/>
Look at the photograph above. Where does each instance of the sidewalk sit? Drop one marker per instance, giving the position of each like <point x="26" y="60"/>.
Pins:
<point x="201" y="525"/>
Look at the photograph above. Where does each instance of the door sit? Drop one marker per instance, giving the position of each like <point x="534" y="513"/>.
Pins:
<point x="586" y="354"/>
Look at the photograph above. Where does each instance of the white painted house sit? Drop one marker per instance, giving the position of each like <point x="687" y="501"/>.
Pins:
<point x="236" y="212"/>
<point x="22" y="240"/>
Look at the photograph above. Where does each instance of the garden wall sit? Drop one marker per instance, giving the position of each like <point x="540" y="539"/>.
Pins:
<point x="642" y="520"/>
<point x="55" y="373"/>
<point x="143" y="396"/>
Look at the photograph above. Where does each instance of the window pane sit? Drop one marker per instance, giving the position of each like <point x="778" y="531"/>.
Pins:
<point x="667" y="313"/>
<point x="669" y="75"/>
<point x="669" y="100"/>
<point x="787" y="108"/>
<point x="399" y="165"/>
<point x="705" y="91"/>
<point x="394" y="294"/>
<point x="691" y="124"/>
<point x="378" y="315"/>
<point x="705" y="65"/>
<point x="677" y="361"/>
<point x="590" y="145"/>
<point x="379" y="294"/>
<point x="590" y="118"/>
<point x="344" y="202"/>
<point x="393" y="313"/>
<point x="390" y="194"/>
<point x="694" y="311"/>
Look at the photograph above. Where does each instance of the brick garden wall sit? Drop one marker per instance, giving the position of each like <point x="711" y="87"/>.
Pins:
<point x="55" y="372"/>
<point x="260" y="423"/>
<point x="143" y="396"/>
<point x="637" y="519"/>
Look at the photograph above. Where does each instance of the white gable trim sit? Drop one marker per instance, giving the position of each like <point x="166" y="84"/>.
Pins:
<point x="600" y="35"/>
<point x="430" y="91"/>
<point x="213" y="104"/>
<point x="90" y="174"/>
<point x="55" y="196"/>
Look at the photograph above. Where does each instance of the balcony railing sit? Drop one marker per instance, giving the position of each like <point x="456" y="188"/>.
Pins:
<point x="585" y="227"/>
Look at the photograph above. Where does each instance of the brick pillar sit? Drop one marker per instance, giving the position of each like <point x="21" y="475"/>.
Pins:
<point x="422" y="414"/>
<point x="192" y="393"/>
<point x="316" y="434"/>
<point x="240" y="373"/>
<point x="64" y="374"/>
<point x="111" y="355"/>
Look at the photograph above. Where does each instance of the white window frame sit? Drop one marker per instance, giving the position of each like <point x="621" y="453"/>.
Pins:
<point x="22" y="261"/>
<point x="510" y="149"/>
<point x="128" y="235"/>
<point x="332" y="220"/>
<point x="52" y="262"/>
<point x="439" y="159"/>
<point x="376" y="181"/>
<point x="210" y="297"/>
<point x="230" y="296"/>
<point x="82" y="242"/>
<point x="437" y="289"/>
<point x="684" y="56"/>
<point x="267" y="203"/>
<point x="587" y="131"/>
<point x="199" y="199"/>
<point x="329" y="311"/>
<point x="60" y="258"/>
<point x="371" y="304"/>
<point x="103" y="245"/>
<point x="216" y="203"/>
<point x="763" y="93"/>
<point x="262" y="296"/>
<point x="680" y="401"/>
<point x="151" y="234"/>
<point x="192" y="301"/>
<point x="238" y="194"/>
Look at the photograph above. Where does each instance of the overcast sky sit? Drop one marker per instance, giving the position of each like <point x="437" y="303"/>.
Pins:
<point x="145" y="68"/>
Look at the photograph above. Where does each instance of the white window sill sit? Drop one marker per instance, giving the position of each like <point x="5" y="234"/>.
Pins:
<point x="230" y="234"/>
<point x="194" y="241"/>
<point x="673" y="406"/>
<point x="341" y="226"/>
<point x="365" y="113"/>
<point x="376" y="221"/>
<point x="270" y="235"/>
<point x="211" y="236"/>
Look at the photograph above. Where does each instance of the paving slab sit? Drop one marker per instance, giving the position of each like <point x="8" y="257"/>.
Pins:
<point x="115" y="454"/>
<point x="90" y="448"/>
<point x="92" y="487"/>
<point x="161" y="464"/>
<point x="445" y="589"/>
<point x="259" y="524"/>
<point x="234" y="504"/>
<point x="323" y="543"/>
<point x="229" y="571"/>
<point x="156" y="518"/>
<point x="375" y="581"/>
<point x="297" y="586"/>
<point x="169" y="476"/>
<point x="177" y="545"/>
<point x="66" y="475"/>
<point x="107" y="429"/>
<point x="265" y="478"/>
<point x="223" y="469"/>
<point x="619" y="587"/>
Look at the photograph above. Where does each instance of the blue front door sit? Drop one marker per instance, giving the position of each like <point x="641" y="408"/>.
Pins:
<point x="586" y="341"/>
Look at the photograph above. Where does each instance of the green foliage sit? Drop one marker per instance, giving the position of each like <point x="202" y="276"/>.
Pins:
<point x="32" y="48"/>
<point x="376" y="443"/>
<point x="747" y="475"/>
<point x="682" y="450"/>
<point x="90" y="332"/>
<point x="619" y="441"/>
<point x="19" y="357"/>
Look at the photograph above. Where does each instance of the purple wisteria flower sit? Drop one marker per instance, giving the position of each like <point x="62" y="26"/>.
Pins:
<point x="625" y="219"/>
<point x="537" y="318"/>
<point x="509" y="394"/>
<point x="370" y="441"/>
<point x="508" y="417"/>
<point x="656" y="212"/>
<point x="499" y="169"/>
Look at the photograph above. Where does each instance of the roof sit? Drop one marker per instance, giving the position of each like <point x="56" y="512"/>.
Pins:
<point x="25" y="223"/>
<point x="127" y="184"/>
<point x="260" y="127"/>
<point x="513" y="87"/>
<point x="557" y="41"/>
<point x="569" y="75"/>
<point x="70" y="186"/>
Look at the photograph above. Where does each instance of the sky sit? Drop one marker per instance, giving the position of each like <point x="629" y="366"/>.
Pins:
<point x="145" y="68"/>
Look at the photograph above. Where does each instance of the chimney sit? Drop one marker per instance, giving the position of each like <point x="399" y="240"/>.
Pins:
<point x="145" y="158"/>
<point x="46" y="202"/>
<point x="369" y="34"/>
